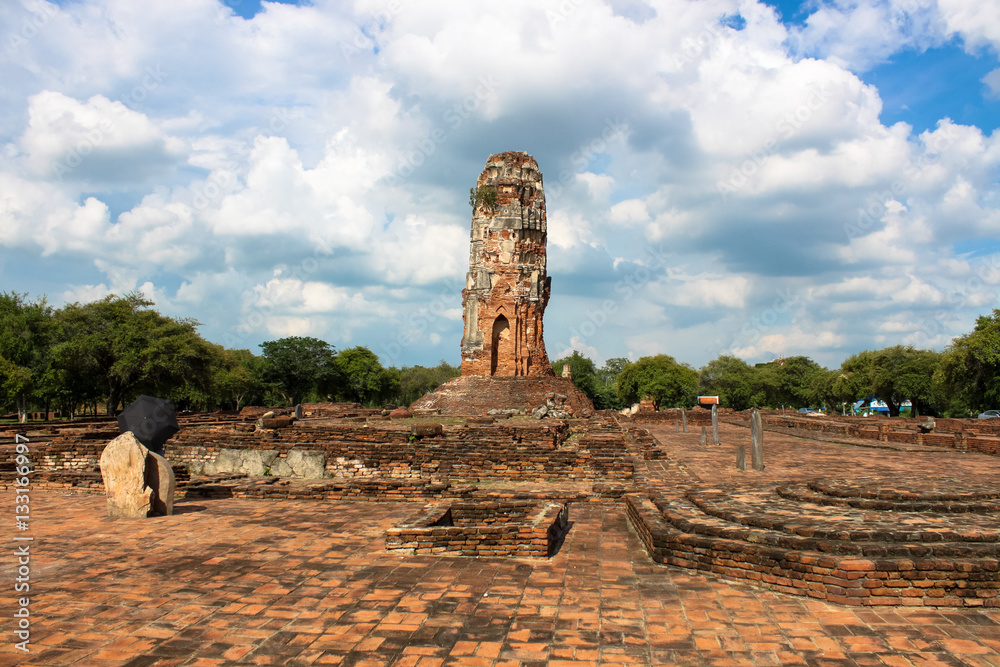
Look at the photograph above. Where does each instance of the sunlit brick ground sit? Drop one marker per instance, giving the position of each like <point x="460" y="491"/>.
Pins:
<point x="306" y="582"/>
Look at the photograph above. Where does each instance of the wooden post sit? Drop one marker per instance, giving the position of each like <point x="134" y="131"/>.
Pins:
<point x="741" y="458"/>
<point x="703" y="440"/>
<point x="684" y="420"/>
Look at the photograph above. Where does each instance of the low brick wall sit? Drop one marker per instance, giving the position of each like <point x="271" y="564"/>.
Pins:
<point x="901" y="436"/>
<point x="56" y="480"/>
<point x="941" y="439"/>
<point x="694" y="416"/>
<point x="983" y="445"/>
<point x="386" y="490"/>
<point x="273" y="488"/>
<point x="510" y="528"/>
<point x="277" y="489"/>
<point x="515" y="450"/>
<point x="908" y="581"/>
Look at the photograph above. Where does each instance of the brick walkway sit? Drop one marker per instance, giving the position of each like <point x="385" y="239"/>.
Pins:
<point x="788" y="457"/>
<point x="303" y="582"/>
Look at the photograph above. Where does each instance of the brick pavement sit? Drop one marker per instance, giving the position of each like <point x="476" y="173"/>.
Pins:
<point x="789" y="457"/>
<point x="229" y="581"/>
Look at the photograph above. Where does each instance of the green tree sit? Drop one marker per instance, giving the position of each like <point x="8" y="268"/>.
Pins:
<point x="673" y="384"/>
<point x="606" y="385"/>
<point x="300" y="365"/>
<point x="365" y="380"/>
<point x="15" y="385"/>
<point x="25" y="337"/>
<point x="415" y="381"/>
<point x="583" y="370"/>
<point x="119" y="342"/>
<point x="903" y="373"/>
<point x="970" y="366"/>
<point x="608" y="373"/>
<point x="856" y="378"/>
<point x="822" y="390"/>
<point x="238" y="378"/>
<point x="734" y="381"/>
<point x="893" y="375"/>
<point x="74" y="375"/>
<point x="787" y="381"/>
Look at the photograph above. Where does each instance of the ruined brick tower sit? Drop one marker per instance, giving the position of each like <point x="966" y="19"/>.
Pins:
<point x="506" y="289"/>
<point x="504" y="365"/>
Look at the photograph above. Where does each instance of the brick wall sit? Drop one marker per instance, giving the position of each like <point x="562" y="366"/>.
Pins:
<point x="695" y="416"/>
<point x="517" y="450"/>
<point x="847" y="580"/>
<point x="506" y="528"/>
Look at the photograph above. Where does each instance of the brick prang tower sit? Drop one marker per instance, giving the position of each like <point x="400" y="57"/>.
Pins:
<point x="507" y="289"/>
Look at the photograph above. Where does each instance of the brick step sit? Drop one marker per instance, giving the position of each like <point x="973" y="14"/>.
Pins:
<point x="675" y="534"/>
<point x="803" y="493"/>
<point x="846" y="530"/>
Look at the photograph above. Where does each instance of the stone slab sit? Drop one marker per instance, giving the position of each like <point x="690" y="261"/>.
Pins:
<point x="123" y="468"/>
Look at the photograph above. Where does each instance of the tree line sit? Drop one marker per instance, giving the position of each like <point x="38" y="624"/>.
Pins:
<point x="109" y="351"/>
<point x="960" y="381"/>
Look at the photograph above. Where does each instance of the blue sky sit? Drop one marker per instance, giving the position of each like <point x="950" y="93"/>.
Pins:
<point x="925" y="80"/>
<point x="920" y="87"/>
<point x="722" y="176"/>
<point x="250" y="8"/>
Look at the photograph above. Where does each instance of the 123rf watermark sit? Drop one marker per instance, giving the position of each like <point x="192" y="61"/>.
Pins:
<point x="22" y="543"/>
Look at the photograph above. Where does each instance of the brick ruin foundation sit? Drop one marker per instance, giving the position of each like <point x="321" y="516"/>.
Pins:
<point x="354" y="450"/>
<point x="475" y="395"/>
<point x="862" y="542"/>
<point x="867" y="540"/>
<point x="504" y="528"/>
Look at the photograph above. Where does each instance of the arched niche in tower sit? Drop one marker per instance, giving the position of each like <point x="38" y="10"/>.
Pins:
<point x="502" y="344"/>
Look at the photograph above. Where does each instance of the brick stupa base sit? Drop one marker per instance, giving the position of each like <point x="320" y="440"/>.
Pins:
<point x="475" y="395"/>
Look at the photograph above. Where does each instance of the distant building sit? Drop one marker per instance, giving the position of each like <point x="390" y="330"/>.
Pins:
<point x="873" y="404"/>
